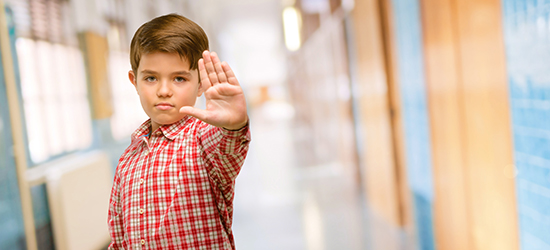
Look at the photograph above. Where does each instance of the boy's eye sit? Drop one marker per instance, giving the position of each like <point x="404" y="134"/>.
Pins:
<point x="179" y="79"/>
<point x="150" y="79"/>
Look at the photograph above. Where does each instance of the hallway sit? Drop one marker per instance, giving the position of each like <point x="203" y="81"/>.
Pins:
<point x="376" y="124"/>
<point x="280" y="205"/>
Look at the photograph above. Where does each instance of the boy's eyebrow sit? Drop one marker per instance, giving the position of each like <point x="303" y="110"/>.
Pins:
<point x="183" y="72"/>
<point x="148" y="72"/>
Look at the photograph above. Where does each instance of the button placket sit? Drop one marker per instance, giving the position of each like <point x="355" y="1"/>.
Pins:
<point x="141" y="211"/>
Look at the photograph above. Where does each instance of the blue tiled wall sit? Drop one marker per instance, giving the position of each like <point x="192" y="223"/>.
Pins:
<point x="527" y="39"/>
<point x="408" y="30"/>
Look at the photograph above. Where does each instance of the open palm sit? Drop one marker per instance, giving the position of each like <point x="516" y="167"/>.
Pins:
<point x="225" y="102"/>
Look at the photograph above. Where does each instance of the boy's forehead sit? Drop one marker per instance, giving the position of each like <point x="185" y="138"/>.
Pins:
<point x="152" y="58"/>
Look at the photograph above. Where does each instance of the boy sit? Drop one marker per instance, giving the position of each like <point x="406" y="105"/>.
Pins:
<point x="174" y="184"/>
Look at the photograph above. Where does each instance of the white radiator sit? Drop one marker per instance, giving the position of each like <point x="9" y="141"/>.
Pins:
<point x="78" y="192"/>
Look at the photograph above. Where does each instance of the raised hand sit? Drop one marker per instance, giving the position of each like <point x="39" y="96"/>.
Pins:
<point x="225" y="102"/>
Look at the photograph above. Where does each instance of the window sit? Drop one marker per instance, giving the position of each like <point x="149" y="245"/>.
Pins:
<point x="53" y="84"/>
<point x="127" y="111"/>
<point x="53" y="79"/>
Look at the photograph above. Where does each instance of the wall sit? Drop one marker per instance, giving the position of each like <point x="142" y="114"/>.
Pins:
<point x="11" y="218"/>
<point x="527" y="49"/>
<point x="410" y="69"/>
<point x="451" y="78"/>
<point x="470" y="118"/>
<point x="378" y="165"/>
<point x="444" y="95"/>
<point x="60" y="25"/>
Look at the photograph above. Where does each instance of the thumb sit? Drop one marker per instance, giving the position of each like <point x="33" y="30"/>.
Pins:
<point x="194" y="112"/>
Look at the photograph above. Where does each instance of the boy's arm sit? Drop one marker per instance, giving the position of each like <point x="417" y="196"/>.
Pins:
<point x="225" y="150"/>
<point x="225" y="102"/>
<point x="116" y="227"/>
<point x="225" y="143"/>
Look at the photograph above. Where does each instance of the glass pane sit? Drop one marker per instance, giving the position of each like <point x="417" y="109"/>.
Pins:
<point x="53" y="80"/>
<point x="128" y="114"/>
<point x="53" y="84"/>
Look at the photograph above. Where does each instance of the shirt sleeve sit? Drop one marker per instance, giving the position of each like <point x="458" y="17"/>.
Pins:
<point x="225" y="150"/>
<point x="116" y="227"/>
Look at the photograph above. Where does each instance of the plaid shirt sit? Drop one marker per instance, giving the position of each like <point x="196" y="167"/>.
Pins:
<point x="175" y="191"/>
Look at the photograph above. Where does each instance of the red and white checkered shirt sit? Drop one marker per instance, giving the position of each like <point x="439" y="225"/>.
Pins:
<point x="175" y="191"/>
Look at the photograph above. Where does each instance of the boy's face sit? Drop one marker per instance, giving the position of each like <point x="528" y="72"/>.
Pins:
<point x="165" y="83"/>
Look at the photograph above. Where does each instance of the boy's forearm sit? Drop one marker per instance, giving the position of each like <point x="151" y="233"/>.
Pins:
<point x="229" y="156"/>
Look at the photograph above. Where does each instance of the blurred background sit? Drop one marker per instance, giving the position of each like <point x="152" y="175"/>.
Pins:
<point x="376" y="124"/>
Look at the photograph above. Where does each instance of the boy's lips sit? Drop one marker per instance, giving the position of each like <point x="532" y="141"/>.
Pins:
<point x="164" y="106"/>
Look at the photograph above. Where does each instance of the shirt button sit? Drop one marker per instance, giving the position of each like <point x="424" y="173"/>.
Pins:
<point x="158" y="132"/>
<point x="143" y="242"/>
<point x="141" y="211"/>
<point x="140" y="181"/>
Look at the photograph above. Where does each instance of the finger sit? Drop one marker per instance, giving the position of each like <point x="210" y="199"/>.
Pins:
<point x="210" y="68"/>
<point x="231" y="79"/>
<point x="218" y="67"/>
<point x="194" y="112"/>
<point x="205" y="81"/>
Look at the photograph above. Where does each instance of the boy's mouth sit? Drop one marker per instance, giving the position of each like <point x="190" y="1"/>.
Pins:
<point x="164" y="106"/>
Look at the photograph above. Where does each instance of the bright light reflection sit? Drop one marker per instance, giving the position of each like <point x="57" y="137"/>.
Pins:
<point x="291" y="22"/>
<point x="313" y="224"/>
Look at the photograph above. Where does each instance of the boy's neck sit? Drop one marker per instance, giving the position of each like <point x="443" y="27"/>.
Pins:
<point x="154" y="127"/>
<point x="151" y="130"/>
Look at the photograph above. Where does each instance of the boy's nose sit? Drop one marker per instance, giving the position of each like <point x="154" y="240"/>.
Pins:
<point x="164" y="89"/>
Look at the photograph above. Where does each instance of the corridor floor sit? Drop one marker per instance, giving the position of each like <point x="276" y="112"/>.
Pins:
<point x="282" y="206"/>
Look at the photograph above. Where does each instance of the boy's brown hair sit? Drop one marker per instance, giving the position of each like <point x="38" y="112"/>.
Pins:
<point x="170" y="33"/>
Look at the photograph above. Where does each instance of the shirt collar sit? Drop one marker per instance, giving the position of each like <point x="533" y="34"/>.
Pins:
<point x="142" y="130"/>
<point x="170" y="131"/>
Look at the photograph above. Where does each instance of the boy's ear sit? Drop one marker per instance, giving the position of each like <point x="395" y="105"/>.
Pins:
<point x="201" y="86"/>
<point x="201" y="89"/>
<point x="132" y="78"/>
